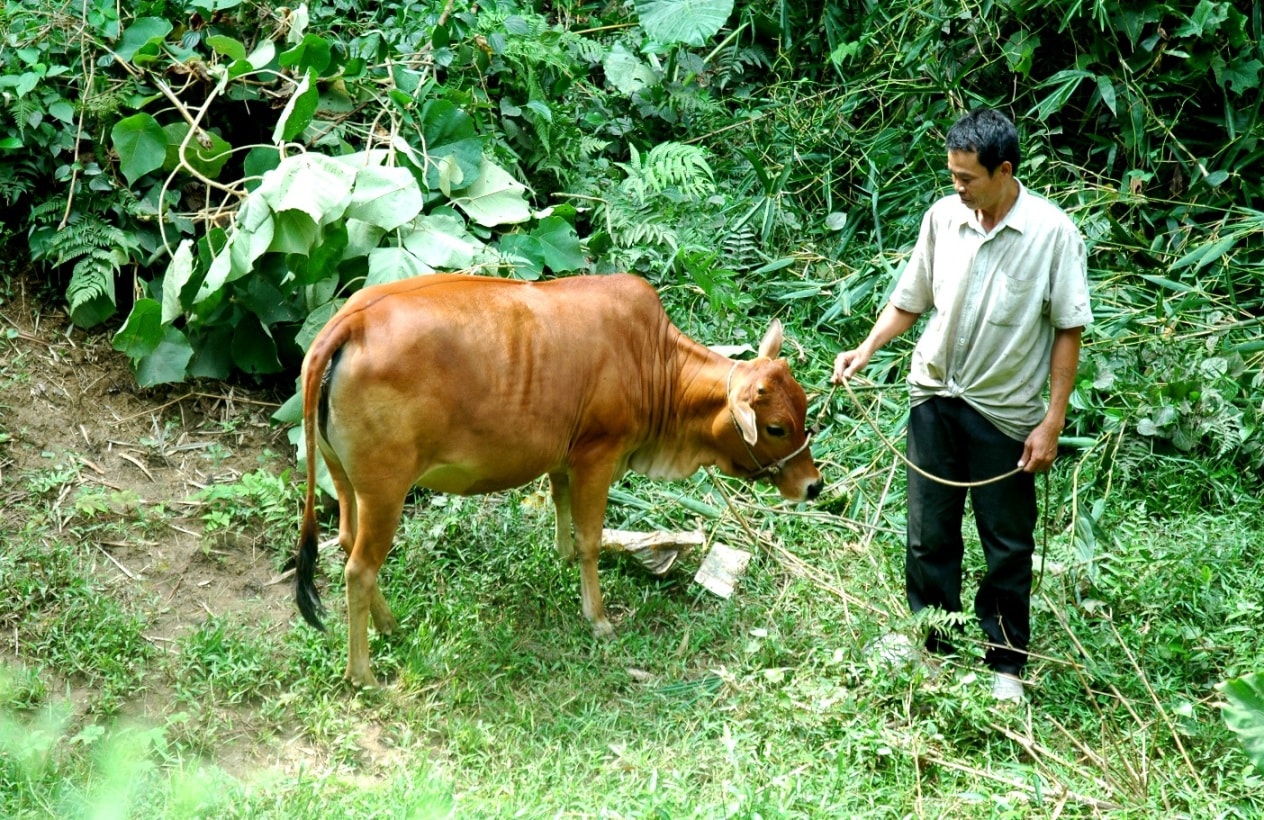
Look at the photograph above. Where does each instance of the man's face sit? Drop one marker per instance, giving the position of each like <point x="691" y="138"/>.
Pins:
<point x="978" y="190"/>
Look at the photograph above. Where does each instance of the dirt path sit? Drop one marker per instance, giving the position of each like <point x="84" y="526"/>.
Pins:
<point x="79" y="439"/>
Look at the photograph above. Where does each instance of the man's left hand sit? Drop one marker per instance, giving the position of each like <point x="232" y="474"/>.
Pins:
<point x="1040" y="449"/>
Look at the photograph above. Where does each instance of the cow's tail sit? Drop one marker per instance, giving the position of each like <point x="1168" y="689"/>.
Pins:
<point x="314" y="383"/>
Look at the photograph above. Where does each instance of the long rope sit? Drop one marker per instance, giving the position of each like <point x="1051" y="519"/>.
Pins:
<point x="1044" y="547"/>
<point x="856" y="400"/>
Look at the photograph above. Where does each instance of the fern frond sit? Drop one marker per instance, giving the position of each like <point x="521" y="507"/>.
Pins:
<point x="92" y="277"/>
<point x="742" y="250"/>
<point x="632" y="225"/>
<point x="590" y="51"/>
<point x="18" y="177"/>
<point x="679" y="166"/>
<point x="590" y="146"/>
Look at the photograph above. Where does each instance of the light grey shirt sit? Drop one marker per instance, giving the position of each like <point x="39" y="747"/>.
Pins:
<point x="996" y="299"/>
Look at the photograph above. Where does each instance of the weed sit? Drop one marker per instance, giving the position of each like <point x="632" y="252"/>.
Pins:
<point x="260" y="501"/>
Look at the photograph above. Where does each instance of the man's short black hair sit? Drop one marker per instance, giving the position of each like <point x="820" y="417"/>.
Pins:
<point x="990" y="135"/>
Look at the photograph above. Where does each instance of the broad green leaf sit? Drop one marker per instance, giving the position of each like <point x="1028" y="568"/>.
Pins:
<point x="523" y="252"/>
<point x="449" y="133"/>
<point x="142" y="32"/>
<point x="262" y="296"/>
<point x="93" y="311"/>
<point x="1244" y="714"/>
<point x="299" y="18"/>
<point x="227" y="46"/>
<point x="362" y="238"/>
<point x="291" y="411"/>
<point x="560" y="244"/>
<point x="313" y="54"/>
<point x="1019" y="50"/>
<point x="253" y="348"/>
<point x="252" y="236"/>
<point x="206" y="153"/>
<point x="168" y="361"/>
<point x="62" y="110"/>
<point x="295" y="233"/>
<point x="259" y="161"/>
<point x="392" y="265"/>
<point x="495" y="198"/>
<point x="1241" y="75"/>
<point x="179" y="271"/>
<point x="440" y="240"/>
<point x="141" y="334"/>
<point x="693" y="22"/>
<point x="321" y="263"/>
<point x="212" y="354"/>
<point x="250" y="239"/>
<point x="263" y="54"/>
<point x="450" y="175"/>
<point x="314" y="322"/>
<point x="627" y="72"/>
<point x="141" y="145"/>
<point x="386" y="197"/>
<point x="298" y="112"/>
<point x="318" y="185"/>
<point x="1206" y="19"/>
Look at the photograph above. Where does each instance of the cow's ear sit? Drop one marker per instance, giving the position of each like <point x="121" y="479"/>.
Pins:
<point x="771" y="345"/>
<point x="744" y="417"/>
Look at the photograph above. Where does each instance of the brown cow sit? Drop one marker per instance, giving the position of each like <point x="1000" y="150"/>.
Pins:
<point x="469" y="384"/>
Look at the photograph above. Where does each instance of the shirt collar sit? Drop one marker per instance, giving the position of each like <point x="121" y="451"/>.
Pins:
<point x="1016" y="218"/>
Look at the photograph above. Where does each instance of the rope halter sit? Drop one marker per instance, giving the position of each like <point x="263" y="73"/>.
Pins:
<point x="761" y="470"/>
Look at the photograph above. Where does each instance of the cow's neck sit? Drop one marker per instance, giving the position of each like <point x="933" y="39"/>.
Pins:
<point x="691" y="414"/>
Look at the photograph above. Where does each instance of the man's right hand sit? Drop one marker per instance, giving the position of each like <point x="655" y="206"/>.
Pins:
<point x="848" y="363"/>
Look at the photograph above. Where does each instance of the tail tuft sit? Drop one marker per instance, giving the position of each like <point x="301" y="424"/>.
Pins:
<point x="305" y="593"/>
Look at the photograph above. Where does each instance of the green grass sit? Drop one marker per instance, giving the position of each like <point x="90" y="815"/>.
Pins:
<point x="499" y="703"/>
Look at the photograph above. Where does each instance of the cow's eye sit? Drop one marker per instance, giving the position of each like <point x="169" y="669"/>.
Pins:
<point x="775" y="431"/>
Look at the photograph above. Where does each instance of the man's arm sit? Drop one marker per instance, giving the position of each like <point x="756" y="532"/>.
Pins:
<point x="891" y="323"/>
<point x="1042" y="445"/>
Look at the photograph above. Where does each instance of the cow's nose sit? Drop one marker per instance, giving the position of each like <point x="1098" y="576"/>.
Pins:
<point x="814" y="489"/>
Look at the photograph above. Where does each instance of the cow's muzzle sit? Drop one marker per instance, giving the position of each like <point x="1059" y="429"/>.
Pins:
<point x="774" y="469"/>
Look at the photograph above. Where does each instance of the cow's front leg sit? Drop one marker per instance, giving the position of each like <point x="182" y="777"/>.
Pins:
<point x="589" y="491"/>
<point x="560" y="486"/>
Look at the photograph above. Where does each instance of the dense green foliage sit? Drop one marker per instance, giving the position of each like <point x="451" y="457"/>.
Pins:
<point x="167" y="159"/>
<point x="208" y="180"/>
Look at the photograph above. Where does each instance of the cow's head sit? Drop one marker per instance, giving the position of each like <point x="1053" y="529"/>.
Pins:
<point x="769" y="412"/>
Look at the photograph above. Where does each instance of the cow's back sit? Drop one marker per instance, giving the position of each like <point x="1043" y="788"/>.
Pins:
<point x="496" y="380"/>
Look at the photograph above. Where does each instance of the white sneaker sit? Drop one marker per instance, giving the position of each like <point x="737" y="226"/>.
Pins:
<point x="894" y="650"/>
<point x="1006" y="687"/>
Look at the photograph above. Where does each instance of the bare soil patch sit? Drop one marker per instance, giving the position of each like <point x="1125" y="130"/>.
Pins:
<point x="73" y="422"/>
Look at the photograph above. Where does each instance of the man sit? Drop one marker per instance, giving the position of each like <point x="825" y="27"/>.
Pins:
<point x="1002" y="272"/>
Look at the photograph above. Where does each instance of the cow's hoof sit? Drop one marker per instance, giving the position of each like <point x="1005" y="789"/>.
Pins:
<point x="602" y="630"/>
<point x="363" y="680"/>
<point x="385" y="624"/>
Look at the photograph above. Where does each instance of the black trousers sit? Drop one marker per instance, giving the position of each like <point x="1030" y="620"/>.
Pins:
<point x="950" y="439"/>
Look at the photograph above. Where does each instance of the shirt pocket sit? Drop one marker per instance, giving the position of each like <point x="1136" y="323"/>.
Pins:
<point x="1015" y="300"/>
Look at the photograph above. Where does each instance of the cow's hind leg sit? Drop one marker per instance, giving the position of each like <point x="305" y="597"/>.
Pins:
<point x="560" y="486"/>
<point x="589" y="491"/>
<point x="375" y="528"/>
<point x="383" y="620"/>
